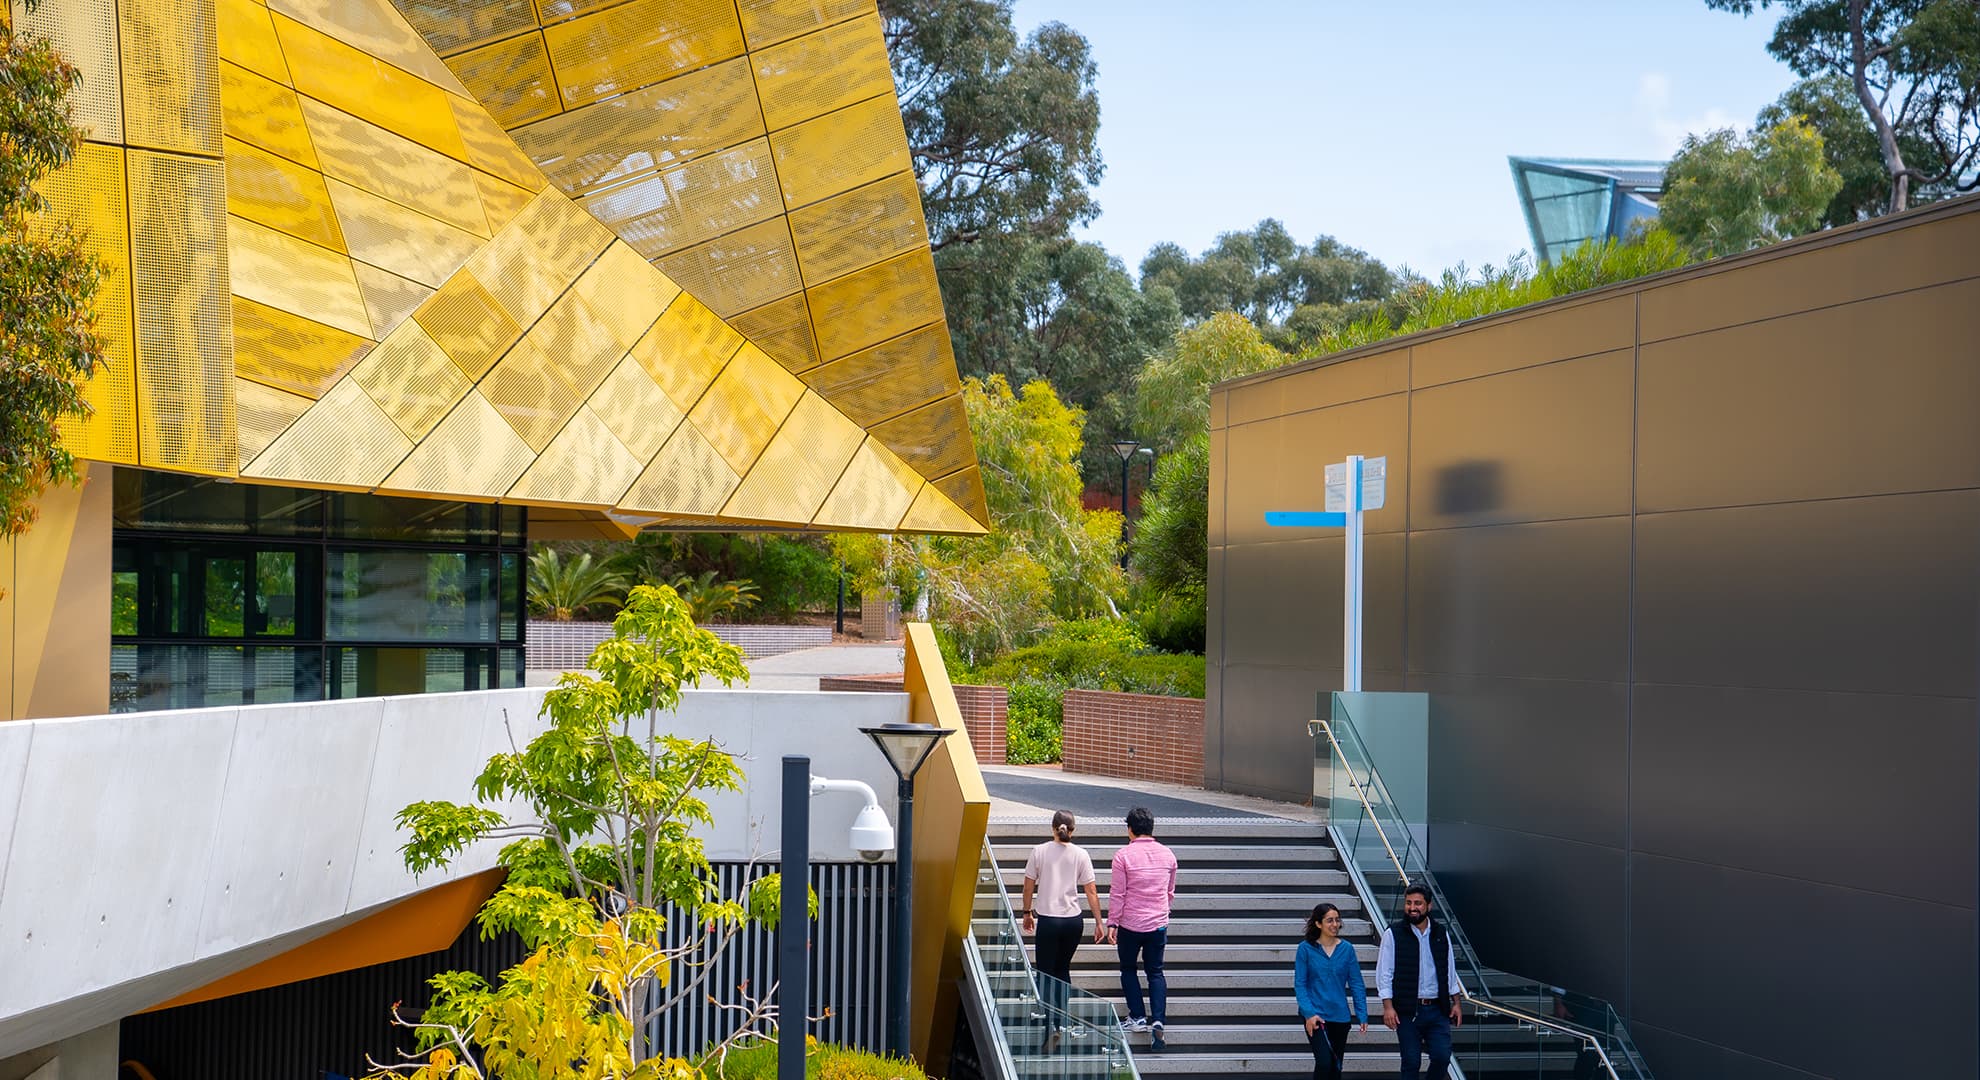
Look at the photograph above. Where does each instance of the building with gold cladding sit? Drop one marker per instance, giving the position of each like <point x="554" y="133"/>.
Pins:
<point x="387" y="282"/>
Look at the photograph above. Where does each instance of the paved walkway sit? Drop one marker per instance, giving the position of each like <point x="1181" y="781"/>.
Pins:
<point x="801" y="670"/>
<point x="1032" y="792"/>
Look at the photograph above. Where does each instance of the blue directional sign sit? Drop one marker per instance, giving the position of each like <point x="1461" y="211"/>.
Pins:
<point x="1305" y="519"/>
<point x="1353" y="487"/>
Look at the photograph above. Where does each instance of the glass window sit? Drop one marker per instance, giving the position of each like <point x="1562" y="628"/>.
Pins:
<point x="195" y="676"/>
<point x="383" y="595"/>
<point x="274" y="594"/>
<point x="123" y="602"/>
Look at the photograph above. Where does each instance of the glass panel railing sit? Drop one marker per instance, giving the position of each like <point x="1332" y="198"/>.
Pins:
<point x="1539" y="1029"/>
<point x="1048" y="1027"/>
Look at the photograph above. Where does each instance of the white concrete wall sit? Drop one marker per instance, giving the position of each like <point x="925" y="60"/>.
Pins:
<point x="144" y="855"/>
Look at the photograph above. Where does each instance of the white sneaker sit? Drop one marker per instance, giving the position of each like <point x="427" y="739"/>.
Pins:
<point x="1134" y="1023"/>
<point x="1155" y="1036"/>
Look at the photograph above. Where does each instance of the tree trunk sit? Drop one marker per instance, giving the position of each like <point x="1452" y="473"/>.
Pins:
<point x="1887" y="143"/>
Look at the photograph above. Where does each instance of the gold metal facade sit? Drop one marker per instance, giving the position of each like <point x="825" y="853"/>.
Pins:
<point x="661" y="259"/>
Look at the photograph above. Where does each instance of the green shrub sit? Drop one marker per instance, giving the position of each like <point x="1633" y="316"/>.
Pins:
<point x="825" y="1061"/>
<point x="793" y="575"/>
<point x="1034" y="723"/>
<point x="1173" y="621"/>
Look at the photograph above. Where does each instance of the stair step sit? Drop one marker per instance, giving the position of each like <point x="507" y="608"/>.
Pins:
<point x="1197" y="877"/>
<point x="1178" y="956"/>
<point x="1229" y="831"/>
<point x="1009" y="855"/>
<point x="1233" y="930"/>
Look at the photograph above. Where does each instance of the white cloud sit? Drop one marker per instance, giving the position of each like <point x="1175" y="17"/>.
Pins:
<point x="1667" y="128"/>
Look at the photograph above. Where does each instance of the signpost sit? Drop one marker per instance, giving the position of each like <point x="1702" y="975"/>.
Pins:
<point x="1354" y="486"/>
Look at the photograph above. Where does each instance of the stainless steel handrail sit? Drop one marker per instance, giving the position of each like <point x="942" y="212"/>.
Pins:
<point x="1403" y="873"/>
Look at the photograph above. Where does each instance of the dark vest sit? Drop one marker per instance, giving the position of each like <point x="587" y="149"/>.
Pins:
<point x="1407" y="959"/>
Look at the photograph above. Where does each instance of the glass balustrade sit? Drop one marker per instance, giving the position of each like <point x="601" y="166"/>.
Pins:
<point x="1517" y="1027"/>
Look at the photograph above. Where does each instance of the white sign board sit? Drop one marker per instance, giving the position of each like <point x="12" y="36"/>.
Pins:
<point x="1374" y="485"/>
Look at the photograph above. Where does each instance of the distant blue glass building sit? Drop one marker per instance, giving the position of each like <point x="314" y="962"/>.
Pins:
<point x="1570" y="201"/>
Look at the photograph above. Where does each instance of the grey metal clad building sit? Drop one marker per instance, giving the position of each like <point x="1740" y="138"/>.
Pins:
<point x="1570" y="201"/>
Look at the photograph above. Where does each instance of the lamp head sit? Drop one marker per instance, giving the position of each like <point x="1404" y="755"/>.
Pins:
<point x="906" y="746"/>
<point x="872" y="835"/>
<point x="1126" y="448"/>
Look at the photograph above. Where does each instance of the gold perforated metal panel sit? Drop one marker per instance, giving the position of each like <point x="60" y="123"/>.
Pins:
<point x="373" y="28"/>
<point x="280" y="194"/>
<point x="556" y="11"/>
<point x="782" y="328"/>
<point x="742" y="270"/>
<point x="640" y="43"/>
<point x="526" y="390"/>
<point x="322" y="68"/>
<point x="452" y="25"/>
<point x="648" y="129"/>
<point x="822" y="71"/>
<point x="873" y="493"/>
<point x="625" y="293"/>
<point x="890" y="378"/>
<point x="490" y="149"/>
<point x="965" y="489"/>
<point x="89" y="194"/>
<point x="266" y="114"/>
<point x="585" y="465"/>
<point x="799" y="467"/>
<point x="637" y="411"/>
<point x="539" y="254"/>
<point x="872" y="305"/>
<point x="685" y="349"/>
<point x="470" y="328"/>
<point x="688" y="476"/>
<point x="412" y="380"/>
<point x="343" y="441"/>
<point x="470" y="453"/>
<point x="859" y="228"/>
<point x="745" y="405"/>
<point x="685" y="205"/>
<point x="289" y="352"/>
<point x="86" y="32"/>
<point x="510" y="78"/>
<point x="934" y="438"/>
<point x="247" y="38"/>
<point x="500" y="200"/>
<point x="389" y="298"/>
<point x="281" y="271"/>
<point x="367" y="156"/>
<point x="179" y="261"/>
<point x="581" y="349"/>
<point x="932" y="512"/>
<point x="840" y="151"/>
<point x="263" y="412"/>
<point x="767" y="22"/>
<point x="171" y="77"/>
<point x="404" y="241"/>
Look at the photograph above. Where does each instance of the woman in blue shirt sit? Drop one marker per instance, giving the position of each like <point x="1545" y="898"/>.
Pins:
<point x="1326" y="971"/>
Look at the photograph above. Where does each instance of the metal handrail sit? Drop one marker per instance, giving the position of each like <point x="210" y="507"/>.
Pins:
<point x="1484" y="1002"/>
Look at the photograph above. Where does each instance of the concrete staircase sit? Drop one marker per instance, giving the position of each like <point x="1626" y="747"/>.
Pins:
<point x="1243" y="891"/>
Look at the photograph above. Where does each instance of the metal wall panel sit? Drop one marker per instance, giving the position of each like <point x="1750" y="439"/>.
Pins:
<point x="934" y="439"/>
<point x="247" y="37"/>
<point x="1527" y="445"/>
<point x="687" y="347"/>
<point x="90" y="194"/>
<point x="1550" y="757"/>
<point x="1884" y="393"/>
<point x="932" y="512"/>
<point x="702" y="199"/>
<point x="800" y="466"/>
<point x="467" y="324"/>
<point x="890" y="378"/>
<point x="877" y="486"/>
<point x="375" y="29"/>
<point x="266" y="114"/>
<point x="320" y="67"/>
<point x="1755" y="596"/>
<point x="1287" y="458"/>
<point x="399" y="240"/>
<point x="413" y="379"/>
<point x="640" y="43"/>
<point x="965" y="489"/>
<point x="638" y="412"/>
<point x="344" y="441"/>
<point x="511" y="78"/>
<point x="1867" y="767"/>
<point x="840" y="151"/>
<point x="1293" y="607"/>
<point x="1570" y="330"/>
<point x="453" y="25"/>
<point x="282" y="271"/>
<point x="86" y="32"/>
<point x="740" y="270"/>
<point x="388" y="298"/>
<point x="745" y="405"/>
<point x="1320" y="388"/>
<point x="170" y="77"/>
<point x="665" y="124"/>
<point x="859" y="228"/>
<point x="767" y="22"/>
<point x="261" y="413"/>
<point x="868" y="307"/>
<point x="274" y="191"/>
<point x="782" y="328"/>
<point x="368" y="156"/>
<point x="473" y="452"/>
<point x="688" y="476"/>
<point x="822" y="71"/>
<point x="1688" y="917"/>
<point x="185" y="368"/>
<point x="290" y="352"/>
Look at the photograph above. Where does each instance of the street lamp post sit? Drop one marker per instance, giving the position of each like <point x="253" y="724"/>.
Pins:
<point x="1127" y="448"/>
<point x="906" y="746"/>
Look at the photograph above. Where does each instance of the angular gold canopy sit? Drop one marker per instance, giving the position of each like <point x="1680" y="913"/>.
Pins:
<point x="676" y="272"/>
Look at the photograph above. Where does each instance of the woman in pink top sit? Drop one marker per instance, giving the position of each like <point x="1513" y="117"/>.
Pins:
<point x="1056" y="871"/>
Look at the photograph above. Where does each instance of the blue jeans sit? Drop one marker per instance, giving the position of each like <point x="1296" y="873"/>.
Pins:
<point x="1148" y="946"/>
<point x="1428" y="1029"/>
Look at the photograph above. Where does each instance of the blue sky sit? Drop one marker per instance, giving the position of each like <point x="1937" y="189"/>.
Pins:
<point x="1388" y="125"/>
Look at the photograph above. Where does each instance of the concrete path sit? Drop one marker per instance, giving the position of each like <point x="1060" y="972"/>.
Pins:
<point x="1032" y="792"/>
<point x="801" y="670"/>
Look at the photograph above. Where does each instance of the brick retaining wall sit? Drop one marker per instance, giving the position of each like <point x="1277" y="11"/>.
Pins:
<point x="565" y="646"/>
<point x="985" y="709"/>
<point x="1134" y="736"/>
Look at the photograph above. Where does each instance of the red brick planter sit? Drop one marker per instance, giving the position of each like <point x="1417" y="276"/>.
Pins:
<point x="1134" y="736"/>
<point x="984" y="710"/>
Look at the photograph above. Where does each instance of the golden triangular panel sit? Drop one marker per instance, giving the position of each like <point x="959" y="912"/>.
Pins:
<point x="932" y="512"/>
<point x="876" y="489"/>
<point x="799" y="467"/>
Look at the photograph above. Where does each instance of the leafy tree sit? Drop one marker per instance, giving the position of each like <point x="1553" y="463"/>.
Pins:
<point x="1725" y="193"/>
<point x="1172" y="394"/>
<point x="1914" y="69"/>
<point x="602" y="846"/>
<point x="1045" y="558"/>
<point x="1171" y="548"/>
<point x="559" y="590"/>
<point x="1828" y="104"/>
<point x="1004" y="133"/>
<point x="1271" y="279"/>
<point x="48" y="280"/>
<point x="708" y="599"/>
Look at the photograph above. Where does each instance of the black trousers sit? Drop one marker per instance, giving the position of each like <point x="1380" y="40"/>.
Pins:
<point x="1058" y="939"/>
<point x="1329" y="1042"/>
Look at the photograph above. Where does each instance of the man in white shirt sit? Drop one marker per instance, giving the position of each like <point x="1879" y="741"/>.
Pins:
<point x="1417" y="978"/>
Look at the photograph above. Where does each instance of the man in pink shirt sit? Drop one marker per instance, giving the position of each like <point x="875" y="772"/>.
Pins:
<point x="1143" y="886"/>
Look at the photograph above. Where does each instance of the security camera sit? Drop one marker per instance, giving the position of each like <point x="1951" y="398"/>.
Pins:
<point x="872" y="836"/>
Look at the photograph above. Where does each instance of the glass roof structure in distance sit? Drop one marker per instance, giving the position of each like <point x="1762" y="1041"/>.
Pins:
<point x="1570" y="201"/>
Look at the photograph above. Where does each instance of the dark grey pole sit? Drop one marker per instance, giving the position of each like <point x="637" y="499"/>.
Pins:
<point x="792" y="924"/>
<point x="839" y="616"/>
<point x="903" y="943"/>
<point x="1124" y="493"/>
